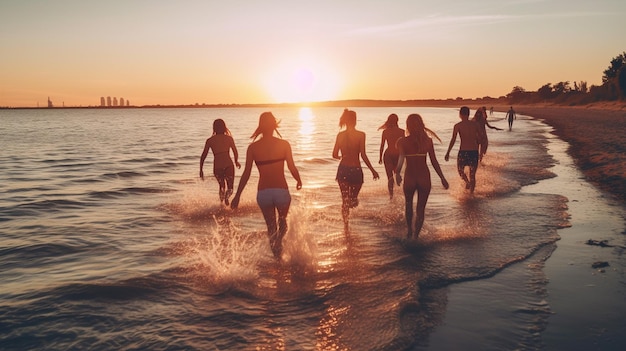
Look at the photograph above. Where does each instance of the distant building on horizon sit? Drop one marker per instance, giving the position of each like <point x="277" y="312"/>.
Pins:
<point x="113" y="102"/>
<point x="50" y="103"/>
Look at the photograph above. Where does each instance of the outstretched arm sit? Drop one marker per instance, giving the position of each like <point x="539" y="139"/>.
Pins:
<point x="235" y="153"/>
<point x="336" y="149"/>
<point x="452" y="141"/>
<point x="205" y="152"/>
<point x="436" y="166"/>
<point x="490" y="126"/>
<point x="382" y="147"/>
<point x="244" y="179"/>
<point x="292" y="167"/>
<point x="401" y="156"/>
<point x="365" y="158"/>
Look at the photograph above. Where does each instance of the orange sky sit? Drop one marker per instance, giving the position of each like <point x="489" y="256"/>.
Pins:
<point x="186" y="52"/>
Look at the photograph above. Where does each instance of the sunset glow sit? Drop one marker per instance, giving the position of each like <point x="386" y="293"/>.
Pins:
<point x="302" y="82"/>
<point x="163" y="52"/>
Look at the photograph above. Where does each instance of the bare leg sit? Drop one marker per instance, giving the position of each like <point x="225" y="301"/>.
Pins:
<point x="222" y="183"/>
<point x="390" y="184"/>
<point x="345" y="203"/>
<point x="472" y="183"/>
<point x="420" y="209"/>
<point x="408" y="211"/>
<point x="269" y="214"/>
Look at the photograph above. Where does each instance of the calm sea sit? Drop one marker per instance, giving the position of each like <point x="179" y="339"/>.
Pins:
<point x="109" y="241"/>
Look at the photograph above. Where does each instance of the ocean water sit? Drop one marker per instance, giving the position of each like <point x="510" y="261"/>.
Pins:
<point x="109" y="241"/>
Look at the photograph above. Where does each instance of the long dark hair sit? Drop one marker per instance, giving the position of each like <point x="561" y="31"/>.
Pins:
<point x="348" y="117"/>
<point x="219" y="127"/>
<point x="392" y="121"/>
<point x="268" y="124"/>
<point x="418" y="131"/>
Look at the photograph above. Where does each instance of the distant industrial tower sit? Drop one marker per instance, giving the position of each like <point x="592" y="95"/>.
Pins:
<point x="102" y="102"/>
<point x="50" y="103"/>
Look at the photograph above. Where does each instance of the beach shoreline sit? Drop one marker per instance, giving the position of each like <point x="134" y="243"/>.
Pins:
<point x="581" y="306"/>
<point x="595" y="134"/>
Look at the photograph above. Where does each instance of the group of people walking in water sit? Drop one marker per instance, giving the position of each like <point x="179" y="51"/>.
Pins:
<point x="408" y="149"/>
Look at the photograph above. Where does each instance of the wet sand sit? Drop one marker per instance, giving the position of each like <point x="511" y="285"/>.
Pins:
<point x="580" y="307"/>
<point x="597" y="141"/>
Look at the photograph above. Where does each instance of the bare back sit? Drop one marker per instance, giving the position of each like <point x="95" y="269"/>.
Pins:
<point x="391" y="136"/>
<point x="470" y="135"/>
<point x="349" y="144"/>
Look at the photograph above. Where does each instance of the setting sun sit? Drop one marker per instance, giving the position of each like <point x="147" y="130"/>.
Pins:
<point x="301" y="82"/>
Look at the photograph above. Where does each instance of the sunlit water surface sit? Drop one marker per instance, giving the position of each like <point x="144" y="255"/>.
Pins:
<point x="110" y="240"/>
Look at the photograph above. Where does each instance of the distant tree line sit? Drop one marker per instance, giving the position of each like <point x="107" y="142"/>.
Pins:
<point x="579" y="93"/>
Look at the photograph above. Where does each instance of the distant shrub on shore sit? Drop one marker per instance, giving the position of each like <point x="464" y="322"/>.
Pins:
<point x="578" y="93"/>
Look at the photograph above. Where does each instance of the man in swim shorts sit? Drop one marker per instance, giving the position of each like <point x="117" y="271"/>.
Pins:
<point x="470" y="135"/>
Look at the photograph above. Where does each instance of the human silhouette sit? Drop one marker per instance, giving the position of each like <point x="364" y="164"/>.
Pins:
<point x="480" y="117"/>
<point x="414" y="149"/>
<point x="471" y="136"/>
<point x="350" y="149"/>
<point x="391" y="134"/>
<point x="270" y="153"/>
<point x="510" y="116"/>
<point x="220" y="143"/>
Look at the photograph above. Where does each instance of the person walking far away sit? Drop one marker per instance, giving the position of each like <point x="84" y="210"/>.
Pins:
<point x="270" y="153"/>
<point x="470" y="135"/>
<point x="510" y="116"/>
<point x="391" y="134"/>
<point x="221" y="142"/>
<point x="414" y="148"/>
<point x="349" y="149"/>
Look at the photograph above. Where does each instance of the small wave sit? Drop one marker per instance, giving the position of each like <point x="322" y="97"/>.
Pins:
<point x="53" y="205"/>
<point x="125" y="174"/>
<point x="19" y="257"/>
<point x="145" y="190"/>
<point x="317" y="160"/>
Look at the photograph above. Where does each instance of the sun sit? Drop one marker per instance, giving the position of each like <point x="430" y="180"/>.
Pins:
<point x="304" y="81"/>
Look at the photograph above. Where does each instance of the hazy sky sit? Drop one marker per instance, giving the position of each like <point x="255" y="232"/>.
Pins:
<point x="235" y="51"/>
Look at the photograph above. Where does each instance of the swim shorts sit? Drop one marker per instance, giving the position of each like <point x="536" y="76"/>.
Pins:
<point x="348" y="174"/>
<point x="273" y="197"/>
<point x="467" y="158"/>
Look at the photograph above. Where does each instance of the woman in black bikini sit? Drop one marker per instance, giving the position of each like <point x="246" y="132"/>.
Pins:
<point x="414" y="148"/>
<point x="391" y="134"/>
<point x="349" y="149"/>
<point x="270" y="154"/>
<point x="221" y="142"/>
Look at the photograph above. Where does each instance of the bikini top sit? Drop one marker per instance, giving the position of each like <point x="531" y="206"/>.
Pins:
<point x="267" y="162"/>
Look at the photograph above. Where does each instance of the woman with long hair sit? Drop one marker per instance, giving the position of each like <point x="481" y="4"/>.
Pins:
<point x="391" y="134"/>
<point x="350" y="149"/>
<point x="221" y="142"/>
<point x="270" y="154"/>
<point x="480" y="117"/>
<point x="414" y="148"/>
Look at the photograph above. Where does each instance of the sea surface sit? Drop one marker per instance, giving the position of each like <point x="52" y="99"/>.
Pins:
<point x="110" y="241"/>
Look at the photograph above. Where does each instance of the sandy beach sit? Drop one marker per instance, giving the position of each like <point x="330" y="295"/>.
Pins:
<point x="583" y="306"/>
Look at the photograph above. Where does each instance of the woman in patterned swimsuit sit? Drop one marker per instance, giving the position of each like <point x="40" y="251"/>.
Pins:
<point x="349" y="149"/>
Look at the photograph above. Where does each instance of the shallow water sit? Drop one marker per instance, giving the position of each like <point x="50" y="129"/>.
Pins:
<point x="110" y="241"/>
